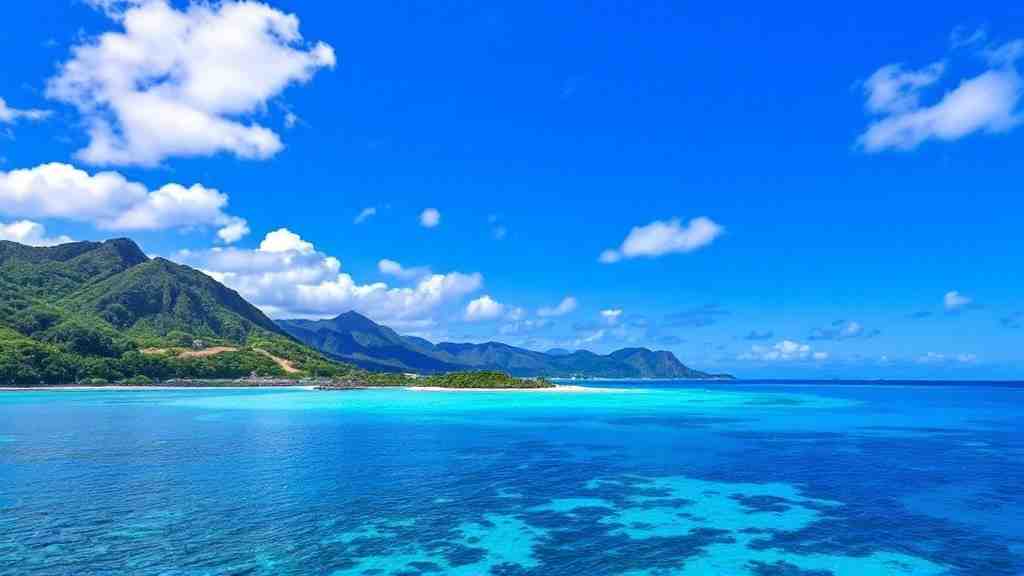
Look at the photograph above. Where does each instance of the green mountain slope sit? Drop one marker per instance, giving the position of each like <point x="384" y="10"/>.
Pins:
<point x="354" y="338"/>
<point x="159" y="297"/>
<point x="89" y="310"/>
<point x="357" y="339"/>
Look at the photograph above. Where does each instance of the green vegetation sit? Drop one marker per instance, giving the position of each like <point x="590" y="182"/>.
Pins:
<point x="464" y="380"/>
<point x="481" y="380"/>
<point x="91" y="312"/>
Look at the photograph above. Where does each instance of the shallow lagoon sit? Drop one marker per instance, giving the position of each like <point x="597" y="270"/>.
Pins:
<point x="644" y="479"/>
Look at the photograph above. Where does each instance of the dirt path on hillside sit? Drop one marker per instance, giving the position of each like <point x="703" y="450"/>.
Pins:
<point x="285" y="365"/>
<point x="212" y="351"/>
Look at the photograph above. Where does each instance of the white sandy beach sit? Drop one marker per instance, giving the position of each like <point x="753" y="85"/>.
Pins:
<point x="559" y="388"/>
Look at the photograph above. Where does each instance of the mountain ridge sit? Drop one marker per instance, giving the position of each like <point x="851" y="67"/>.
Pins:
<point x="354" y="338"/>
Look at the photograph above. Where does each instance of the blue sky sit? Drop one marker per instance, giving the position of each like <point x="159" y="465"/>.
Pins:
<point x="786" y="193"/>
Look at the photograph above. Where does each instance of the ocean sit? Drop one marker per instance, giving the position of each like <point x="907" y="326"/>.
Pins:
<point x="627" y="478"/>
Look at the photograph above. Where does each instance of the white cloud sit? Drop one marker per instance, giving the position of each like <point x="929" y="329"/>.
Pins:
<point x="234" y="231"/>
<point x="954" y="301"/>
<point x="284" y="240"/>
<point x="287" y="277"/>
<point x="430" y="218"/>
<point x="987" y="102"/>
<point x="893" y="89"/>
<point x="567" y="305"/>
<point x="612" y="315"/>
<point x="365" y="215"/>
<point x="784" y="351"/>
<point x="184" y="82"/>
<point x="484" y="308"/>
<point x="659" y="238"/>
<point x="392" y="268"/>
<point x="31" y="233"/>
<point x="10" y="115"/>
<point x="111" y="202"/>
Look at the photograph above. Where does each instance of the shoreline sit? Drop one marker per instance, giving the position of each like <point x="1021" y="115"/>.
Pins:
<point x="311" y="387"/>
<point x="122" y="387"/>
<point x="558" y="388"/>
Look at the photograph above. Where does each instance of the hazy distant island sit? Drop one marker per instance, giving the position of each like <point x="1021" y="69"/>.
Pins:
<point x="102" y="313"/>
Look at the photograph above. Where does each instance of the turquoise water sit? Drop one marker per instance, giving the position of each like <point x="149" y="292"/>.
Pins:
<point x="762" y="479"/>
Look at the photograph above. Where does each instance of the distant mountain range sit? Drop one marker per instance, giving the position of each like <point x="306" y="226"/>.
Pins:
<point x="352" y="337"/>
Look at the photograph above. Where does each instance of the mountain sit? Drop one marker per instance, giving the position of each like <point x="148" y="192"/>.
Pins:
<point x="159" y="297"/>
<point x="354" y="338"/>
<point x="105" y="310"/>
<point x="665" y="364"/>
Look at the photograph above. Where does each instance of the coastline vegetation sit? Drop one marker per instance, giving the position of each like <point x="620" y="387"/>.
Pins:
<point x="483" y="380"/>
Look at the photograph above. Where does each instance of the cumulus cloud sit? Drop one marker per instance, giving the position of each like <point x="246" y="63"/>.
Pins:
<point x="10" y="115"/>
<point x="365" y="215"/>
<point x="567" y="305"/>
<point x="484" y="308"/>
<point x="784" y="351"/>
<point x="988" y="102"/>
<point x="236" y="229"/>
<point x="284" y="241"/>
<point x="288" y="277"/>
<point x="184" y="82"/>
<point x="31" y="233"/>
<point x="392" y="268"/>
<point x="954" y="301"/>
<point x="111" y="202"/>
<point x="659" y="238"/>
<point x="430" y="218"/>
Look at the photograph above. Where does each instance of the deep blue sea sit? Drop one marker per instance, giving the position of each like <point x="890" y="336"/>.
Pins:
<point x="643" y="478"/>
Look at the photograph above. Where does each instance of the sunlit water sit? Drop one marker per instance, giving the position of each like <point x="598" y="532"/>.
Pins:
<point x="648" y="479"/>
